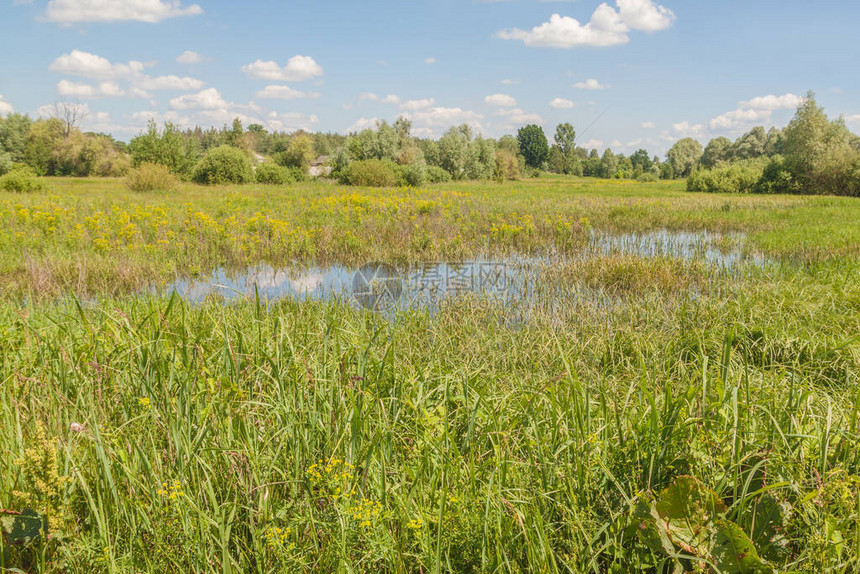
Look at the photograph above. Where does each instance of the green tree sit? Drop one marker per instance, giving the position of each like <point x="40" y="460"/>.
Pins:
<point x="750" y="145"/>
<point x="13" y="135"/>
<point x="169" y="147"/>
<point x="533" y="145"/>
<point x="717" y="151"/>
<point x="565" y="138"/>
<point x="641" y="161"/>
<point x="454" y="150"/>
<point x="683" y="156"/>
<point x="299" y="154"/>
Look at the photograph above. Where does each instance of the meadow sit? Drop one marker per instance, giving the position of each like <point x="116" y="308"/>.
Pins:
<point x="702" y="421"/>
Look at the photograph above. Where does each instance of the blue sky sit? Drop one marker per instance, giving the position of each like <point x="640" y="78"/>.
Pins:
<point x="639" y="72"/>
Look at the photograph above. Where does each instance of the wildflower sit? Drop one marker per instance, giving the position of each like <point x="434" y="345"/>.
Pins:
<point x="144" y="402"/>
<point x="415" y="524"/>
<point x="76" y="427"/>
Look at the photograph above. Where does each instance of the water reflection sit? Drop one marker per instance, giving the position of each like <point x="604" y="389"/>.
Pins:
<point x="510" y="280"/>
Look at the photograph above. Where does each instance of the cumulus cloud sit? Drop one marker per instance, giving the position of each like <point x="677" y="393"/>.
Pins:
<point x="204" y="100"/>
<point x="363" y="124"/>
<point x="590" y="84"/>
<point x="283" y="92"/>
<point x="441" y="117"/>
<point x="297" y="69"/>
<point x="75" y="90"/>
<point x="645" y="15"/>
<point x="87" y="65"/>
<point x="593" y="144"/>
<point x="412" y="105"/>
<point x="561" y="104"/>
<point x="501" y="100"/>
<point x="772" y="102"/>
<point x="688" y="130"/>
<point x="430" y="61"/>
<point x="391" y="99"/>
<point x="291" y="121"/>
<point x="73" y="11"/>
<point x="169" y="83"/>
<point x="189" y="57"/>
<point x="368" y="96"/>
<point x="648" y="125"/>
<point x="5" y="107"/>
<point x="757" y="110"/>
<point x="509" y="82"/>
<point x="608" y="26"/>
<point x="518" y="117"/>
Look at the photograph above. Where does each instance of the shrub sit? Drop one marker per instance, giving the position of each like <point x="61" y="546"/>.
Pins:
<point x="776" y="178"/>
<point x="739" y="177"/>
<point x="273" y="174"/>
<point x="647" y="177"/>
<point x="507" y="165"/>
<point x="414" y="174"/>
<point x="224" y="164"/>
<point x="151" y="177"/>
<point x="436" y="174"/>
<point x="5" y="163"/>
<point x="371" y="173"/>
<point x="21" y="180"/>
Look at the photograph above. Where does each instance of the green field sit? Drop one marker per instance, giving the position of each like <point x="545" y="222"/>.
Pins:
<point x="680" y="419"/>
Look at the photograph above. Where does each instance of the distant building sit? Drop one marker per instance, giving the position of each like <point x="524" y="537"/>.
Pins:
<point x="319" y="168"/>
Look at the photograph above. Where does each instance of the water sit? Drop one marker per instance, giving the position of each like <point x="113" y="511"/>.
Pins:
<point x="509" y="280"/>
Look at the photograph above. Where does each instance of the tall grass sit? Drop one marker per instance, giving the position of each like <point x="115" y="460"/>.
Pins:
<point x="315" y="437"/>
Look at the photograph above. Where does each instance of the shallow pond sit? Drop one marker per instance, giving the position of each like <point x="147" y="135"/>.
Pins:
<point x="510" y="279"/>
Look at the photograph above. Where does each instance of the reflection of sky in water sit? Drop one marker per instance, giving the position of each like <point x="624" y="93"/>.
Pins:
<point x="427" y="285"/>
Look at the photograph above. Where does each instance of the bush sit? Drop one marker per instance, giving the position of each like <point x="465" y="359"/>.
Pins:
<point x="647" y="177"/>
<point x="436" y="174"/>
<point x="21" y="180"/>
<point x="5" y="163"/>
<point x="224" y="164"/>
<point x="739" y="177"/>
<point x="371" y="173"/>
<point x="776" y="178"/>
<point x="151" y="177"/>
<point x="414" y="174"/>
<point x="273" y="174"/>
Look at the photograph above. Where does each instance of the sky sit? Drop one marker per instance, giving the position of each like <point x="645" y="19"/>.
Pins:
<point x="627" y="74"/>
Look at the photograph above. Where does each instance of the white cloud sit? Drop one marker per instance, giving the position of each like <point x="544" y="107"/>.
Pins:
<point x="189" y="57"/>
<point x="440" y="117"/>
<point x="501" y="100"/>
<point x="561" y="104"/>
<point x="590" y="84"/>
<point x="851" y="119"/>
<point x="772" y="102"/>
<point x="413" y="105"/>
<point x="104" y="89"/>
<point x="298" y="69"/>
<point x="645" y="15"/>
<point x="430" y="61"/>
<point x="368" y="96"/>
<point x="607" y="26"/>
<point x="205" y="100"/>
<point x="291" y="121"/>
<point x="509" y="82"/>
<point x="604" y="29"/>
<point x="71" y="11"/>
<point x="169" y="83"/>
<point x="391" y="99"/>
<point x="284" y="93"/>
<point x="86" y="65"/>
<point x="363" y="124"/>
<point x="648" y="125"/>
<point x="518" y="117"/>
<point x="5" y="107"/>
<point x="593" y="144"/>
<point x="758" y="110"/>
<point x="688" y="130"/>
<point x="739" y="118"/>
